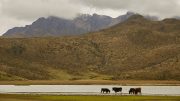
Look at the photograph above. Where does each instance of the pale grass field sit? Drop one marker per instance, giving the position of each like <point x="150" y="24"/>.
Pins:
<point x="91" y="82"/>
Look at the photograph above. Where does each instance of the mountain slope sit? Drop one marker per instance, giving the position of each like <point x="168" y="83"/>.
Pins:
<point x="135" y="49"/>
<point x="54" y="26"/>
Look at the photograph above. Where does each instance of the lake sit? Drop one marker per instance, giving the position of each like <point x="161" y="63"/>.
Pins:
<point x="87" y="89"/>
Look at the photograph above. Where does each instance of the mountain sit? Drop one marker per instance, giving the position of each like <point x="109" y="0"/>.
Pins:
<point x="54" y="26"/>
<point x="177" y="17"/>
<point x="137" y="48"/>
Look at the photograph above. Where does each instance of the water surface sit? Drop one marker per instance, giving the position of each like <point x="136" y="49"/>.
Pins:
<point x="88" y="89"/>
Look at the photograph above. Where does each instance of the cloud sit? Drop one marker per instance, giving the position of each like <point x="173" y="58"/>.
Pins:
<point x="32" y="9"/>
<point x="109" y="12"/>
<point x="162" y="8"/>
<point x="16" y="13"/>
<point x="8" y="22"/>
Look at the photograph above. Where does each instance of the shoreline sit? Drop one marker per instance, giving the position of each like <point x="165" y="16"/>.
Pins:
<point x="82" y="94"/>
<point x="94" y="82"/>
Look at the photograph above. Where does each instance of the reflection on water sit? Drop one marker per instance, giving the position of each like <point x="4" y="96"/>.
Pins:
<point x="157" y="90"/>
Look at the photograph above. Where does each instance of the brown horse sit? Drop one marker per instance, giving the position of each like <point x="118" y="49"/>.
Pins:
<point x="117" y="89"/>
<point x="135" y="91"/>
<point x="105" y="90"/>
<point x="132" y="91"/>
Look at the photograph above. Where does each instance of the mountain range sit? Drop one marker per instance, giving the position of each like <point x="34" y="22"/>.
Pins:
<point x="54" y="26"/>
<point x="138" y="48"/>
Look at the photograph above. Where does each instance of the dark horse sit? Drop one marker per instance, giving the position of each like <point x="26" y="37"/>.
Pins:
<point x="135" y="91"/>
<point x="117" y="89"/>
<point x="105" y="90"/>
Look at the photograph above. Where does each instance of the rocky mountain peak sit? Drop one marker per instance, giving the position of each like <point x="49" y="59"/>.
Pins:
<point x="55" y="26"/>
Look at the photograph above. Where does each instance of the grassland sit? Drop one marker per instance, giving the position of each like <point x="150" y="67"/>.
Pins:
<point x="92" y="82"/>
<point x="137" y="49"/>
<point x="86" y="98"/>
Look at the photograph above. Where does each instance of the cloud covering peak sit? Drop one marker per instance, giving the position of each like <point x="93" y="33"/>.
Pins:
<point x="161" y="8"/>
<point x="32" y="9"/>
<point x="21" y="12"/>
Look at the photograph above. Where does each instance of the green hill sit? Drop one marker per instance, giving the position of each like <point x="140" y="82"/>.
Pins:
<point x="135" y="49"/>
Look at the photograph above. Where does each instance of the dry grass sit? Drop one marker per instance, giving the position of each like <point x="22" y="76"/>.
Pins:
<point x="137" y="49"/>
<point x="91" y="82"/>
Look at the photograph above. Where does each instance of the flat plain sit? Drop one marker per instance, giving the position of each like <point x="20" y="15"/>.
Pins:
<point x="5" y="97"/>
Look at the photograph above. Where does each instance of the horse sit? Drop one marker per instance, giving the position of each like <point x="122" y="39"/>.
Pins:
<point x="117" y="89"/>
<point x="135" y="91"/>
<point x="138" y="91"/>
<point x="132" y="91"/>
<point x="105" y="90"/>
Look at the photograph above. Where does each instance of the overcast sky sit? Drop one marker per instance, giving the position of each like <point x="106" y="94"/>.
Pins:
<point x="15" y="13"/>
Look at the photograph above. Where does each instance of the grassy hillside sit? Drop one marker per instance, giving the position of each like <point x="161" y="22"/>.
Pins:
<point x="135" y="49"/>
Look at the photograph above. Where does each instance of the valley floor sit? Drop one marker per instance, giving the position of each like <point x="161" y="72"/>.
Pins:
<point x="6" y="97"/>
<point x="92" y="82"/>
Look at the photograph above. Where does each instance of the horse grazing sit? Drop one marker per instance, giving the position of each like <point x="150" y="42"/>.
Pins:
<point x="132" y="91"/>
<point x="135" y="91"/>
<point x="105" y="90"/>
<point x="138" y="91"/>
<point x="117" y="89"/>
